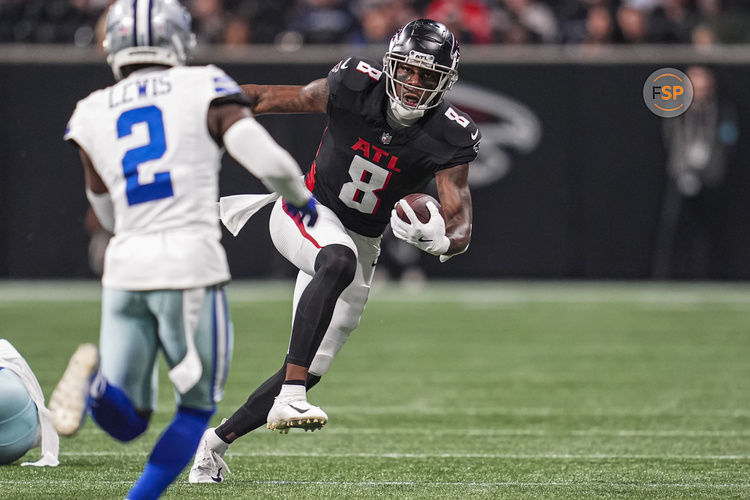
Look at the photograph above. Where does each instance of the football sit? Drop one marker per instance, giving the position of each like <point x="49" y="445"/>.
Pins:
<point x="418" y="203"/>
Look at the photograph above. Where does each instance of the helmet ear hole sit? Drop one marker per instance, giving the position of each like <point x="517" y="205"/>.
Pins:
<point x="426" y="44"/>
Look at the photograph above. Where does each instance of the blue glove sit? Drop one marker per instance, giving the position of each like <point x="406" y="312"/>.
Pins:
<point x="309" y="210"/>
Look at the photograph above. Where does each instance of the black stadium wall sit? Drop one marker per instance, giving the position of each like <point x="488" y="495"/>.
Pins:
<point x="569" y="182"/>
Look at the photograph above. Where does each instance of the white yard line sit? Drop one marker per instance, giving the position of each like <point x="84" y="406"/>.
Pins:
<point x="419" y="456"/>
<point x="488" y="432"/>
<point x="441" y="484"/>
<point x="541" y="412"/>
<point x="491" y="484"/>
<point x="510" y="432"/>
<point x="488" y="484"/>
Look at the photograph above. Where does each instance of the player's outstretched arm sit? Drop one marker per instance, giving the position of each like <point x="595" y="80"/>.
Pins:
<point x="311" y="98"/>
<point x="455" y="198"/>
<point x="254" y="148"/>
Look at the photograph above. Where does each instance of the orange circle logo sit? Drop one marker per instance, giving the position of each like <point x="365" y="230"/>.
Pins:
<point x="668" y="92"/>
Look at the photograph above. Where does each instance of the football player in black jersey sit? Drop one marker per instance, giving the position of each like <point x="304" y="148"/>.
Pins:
<point x="389" y="133"/>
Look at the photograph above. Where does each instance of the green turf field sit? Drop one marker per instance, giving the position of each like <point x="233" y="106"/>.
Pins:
<point x="504" y="390"/>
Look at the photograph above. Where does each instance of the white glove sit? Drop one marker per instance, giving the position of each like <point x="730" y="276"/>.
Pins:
<point x="429" y="236"/>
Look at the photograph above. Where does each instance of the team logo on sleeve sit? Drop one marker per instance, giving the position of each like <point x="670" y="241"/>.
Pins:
<point x="225" y="85"/>
<point x="341" y="65"/>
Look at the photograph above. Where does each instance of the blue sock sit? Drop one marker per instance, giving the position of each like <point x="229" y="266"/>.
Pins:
<point x="172" y="452"/>
<point x="115" y="413"/>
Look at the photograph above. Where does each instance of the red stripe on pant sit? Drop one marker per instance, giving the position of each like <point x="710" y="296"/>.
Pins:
<point x="310" y="179"/>
<point x="300" y="226"/>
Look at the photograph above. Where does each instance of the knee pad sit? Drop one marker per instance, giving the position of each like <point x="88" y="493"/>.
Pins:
<point x="19" y="420"/>
<point x="337" y="261"/>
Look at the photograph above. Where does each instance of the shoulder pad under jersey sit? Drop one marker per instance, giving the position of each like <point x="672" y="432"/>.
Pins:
<point x="450" y="125"/>
<point x="354" y="74"/>
<point x="455" y="126"/>
<point x="217" y="82"/>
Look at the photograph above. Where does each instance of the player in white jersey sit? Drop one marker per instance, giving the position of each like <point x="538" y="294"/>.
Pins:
<point x="151" y="147"/>
<point x="25" y="422"/>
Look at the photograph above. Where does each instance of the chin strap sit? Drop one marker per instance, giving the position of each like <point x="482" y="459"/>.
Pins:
<point x="402" y="115"/>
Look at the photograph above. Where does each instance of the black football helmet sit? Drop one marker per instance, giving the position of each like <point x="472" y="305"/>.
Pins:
<point x="426" y="44"/>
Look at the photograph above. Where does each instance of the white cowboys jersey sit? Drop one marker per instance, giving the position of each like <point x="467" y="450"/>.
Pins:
<point x="148" y="139"/>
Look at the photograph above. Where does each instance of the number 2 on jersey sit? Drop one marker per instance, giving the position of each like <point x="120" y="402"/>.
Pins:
<point x="161" y="186"/>
<point x="367" y="179"/>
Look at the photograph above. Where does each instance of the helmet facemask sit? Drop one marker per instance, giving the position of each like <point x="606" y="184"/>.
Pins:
<point x="429" y="97"/>
<point x="429" y="46"/>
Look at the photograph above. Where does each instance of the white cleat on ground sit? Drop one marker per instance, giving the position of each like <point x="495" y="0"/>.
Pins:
<point x="209" y="465"/>
<point x="68" y="401"/>
<point x="286" y="414"/>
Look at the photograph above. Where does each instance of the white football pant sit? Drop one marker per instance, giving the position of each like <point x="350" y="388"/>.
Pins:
<point x="300" y="245"/>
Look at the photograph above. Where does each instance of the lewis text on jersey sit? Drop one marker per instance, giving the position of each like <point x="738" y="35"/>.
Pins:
<point x="140" y="88"/>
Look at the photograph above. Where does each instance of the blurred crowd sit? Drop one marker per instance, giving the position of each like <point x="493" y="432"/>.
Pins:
<point x="298" y="22"/>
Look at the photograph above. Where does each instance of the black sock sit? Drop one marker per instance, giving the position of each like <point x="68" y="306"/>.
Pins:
<point x="254" y="412"/>
<point x="312" y="381"/>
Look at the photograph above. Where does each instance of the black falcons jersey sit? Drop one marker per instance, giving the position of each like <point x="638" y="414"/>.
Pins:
<point x="363" y="166"/>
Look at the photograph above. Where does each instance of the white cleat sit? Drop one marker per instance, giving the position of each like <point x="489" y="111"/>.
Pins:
<point x="209" y="465"/>
<point x="68" y="401"/>
<point x="287" y="414"/>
